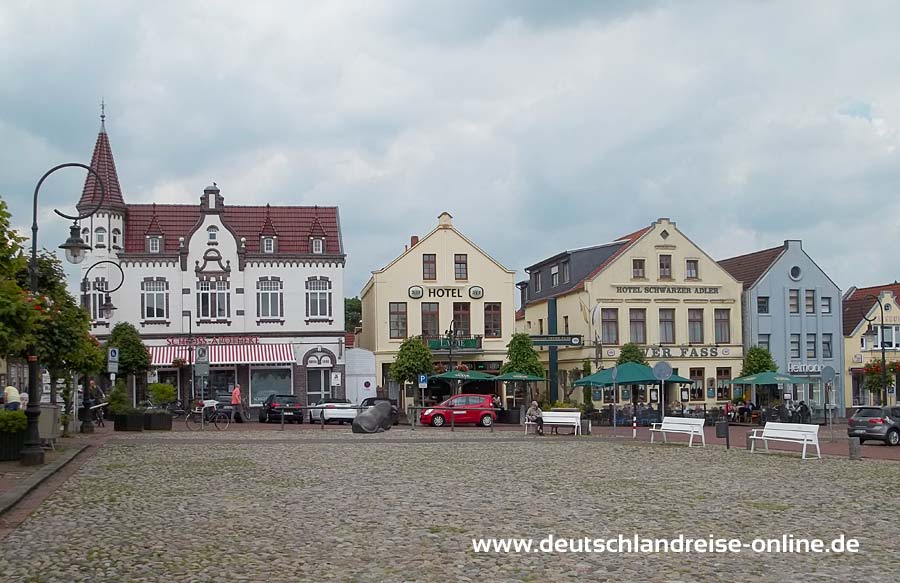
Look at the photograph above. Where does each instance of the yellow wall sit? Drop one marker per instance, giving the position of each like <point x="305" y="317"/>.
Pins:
<point x="715" y="288"/>
<point x="857" y="353"/>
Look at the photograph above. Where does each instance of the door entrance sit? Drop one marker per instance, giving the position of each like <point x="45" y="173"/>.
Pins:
<point x="318" y="385"/>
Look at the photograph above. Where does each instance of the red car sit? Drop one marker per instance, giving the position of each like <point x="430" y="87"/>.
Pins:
<point x="463" y="408"/>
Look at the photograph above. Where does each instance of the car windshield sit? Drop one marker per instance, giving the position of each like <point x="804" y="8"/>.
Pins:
<point x="868" y="412"/>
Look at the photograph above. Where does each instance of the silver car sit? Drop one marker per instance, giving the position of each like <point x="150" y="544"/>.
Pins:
<point x="881" y="423"/>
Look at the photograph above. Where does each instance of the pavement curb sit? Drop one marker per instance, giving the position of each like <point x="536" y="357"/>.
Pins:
<point x="9" y="499"/>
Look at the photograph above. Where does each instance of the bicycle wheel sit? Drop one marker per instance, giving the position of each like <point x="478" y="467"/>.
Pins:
<point x="194" y="420"/>
<point x="222" y="420"/>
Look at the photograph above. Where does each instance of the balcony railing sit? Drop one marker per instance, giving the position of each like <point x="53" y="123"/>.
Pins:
<point x="462" y="343"/>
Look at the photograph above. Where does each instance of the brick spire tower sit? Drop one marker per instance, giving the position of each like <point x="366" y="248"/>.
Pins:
<point x="102" y="162"/>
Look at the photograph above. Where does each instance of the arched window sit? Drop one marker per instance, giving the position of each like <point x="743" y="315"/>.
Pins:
<point x="86" y="235"/>
<point x="100" y="236"/>
<point x="116" y="234"/>
<point x="212" y="234"/>
<point x="318" y="298"/>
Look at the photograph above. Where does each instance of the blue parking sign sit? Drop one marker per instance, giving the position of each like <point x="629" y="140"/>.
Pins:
<point x="423" y="381"/>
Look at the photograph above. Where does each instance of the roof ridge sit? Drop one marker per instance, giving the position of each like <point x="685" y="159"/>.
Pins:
<point x="767" y="250"/>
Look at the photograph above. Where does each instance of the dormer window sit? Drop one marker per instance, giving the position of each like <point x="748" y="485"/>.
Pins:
<point x="100" y="237"/>
<point x="154" y="244"/>
<point x="212" y="234"/>
<point x="318" y="246"/>
<point x="268" y="245"/>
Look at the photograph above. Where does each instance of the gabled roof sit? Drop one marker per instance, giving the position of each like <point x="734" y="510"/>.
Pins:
<point x="268" y="228"/>
<point x="857" y="304"/>
<point x="292" y="223"/>
<point x="153" y="228"/>
<point x="102" y="162"/>
<point x="628" y="240"/>
<point x="750" y="267"/>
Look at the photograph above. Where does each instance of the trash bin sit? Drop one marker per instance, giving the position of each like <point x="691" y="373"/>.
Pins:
<point x="721" y="429"/>
<point x="585" y="425"/>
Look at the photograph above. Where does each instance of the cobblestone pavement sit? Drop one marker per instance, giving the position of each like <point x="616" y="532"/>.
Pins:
<point x="404" y="506"/>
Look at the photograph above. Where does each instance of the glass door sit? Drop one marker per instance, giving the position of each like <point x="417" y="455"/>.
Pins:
<point x="318" y="385"/>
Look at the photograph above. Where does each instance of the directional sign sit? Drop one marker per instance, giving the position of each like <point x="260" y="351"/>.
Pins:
<point x="557" y="340"/>
<point x="423" y="381"/>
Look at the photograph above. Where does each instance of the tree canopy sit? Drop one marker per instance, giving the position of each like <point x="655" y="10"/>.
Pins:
<point x="18" y="313"/>
<point x="757" y="360"/>
<point x="522" y="357"/>
<point x="632" y="353"/>
<point x="352" y="314"/>
<point x="133" y="356"/>
<point x="413" y="359"/>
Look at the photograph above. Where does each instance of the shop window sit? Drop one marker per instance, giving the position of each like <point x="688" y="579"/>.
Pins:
<point x="696" y="376"/>
<point x="492" y="323"/>
<point x="429" y="266"/>
<point x="397" y="318"/>
<point x="723" y="390"/>
<point x="638" y="325"/>
<point x="269" y="381"/>
<point x="609" y="333"/>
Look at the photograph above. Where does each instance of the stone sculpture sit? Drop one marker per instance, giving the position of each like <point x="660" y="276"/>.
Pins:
<point x="373" y="420"/>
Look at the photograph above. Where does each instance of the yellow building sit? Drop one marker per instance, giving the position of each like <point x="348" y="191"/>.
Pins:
<point x="442" y="278"/>
<point x="864" y="336"/>
<point x="654" y="288"/>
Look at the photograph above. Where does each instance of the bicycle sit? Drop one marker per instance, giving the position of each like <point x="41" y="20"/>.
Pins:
<point x="205" y="414"/>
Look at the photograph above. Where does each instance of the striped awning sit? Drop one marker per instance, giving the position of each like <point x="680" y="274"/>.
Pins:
<point x="226" y="354"/>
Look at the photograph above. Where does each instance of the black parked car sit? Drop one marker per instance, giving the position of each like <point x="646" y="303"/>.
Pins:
<point x="277" y="405"/>
<point x="370" y="402"/>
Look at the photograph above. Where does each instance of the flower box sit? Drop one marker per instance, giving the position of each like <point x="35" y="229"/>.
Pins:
<point x="11" y="445"/>
<point x="129" y="422"/>
<point x="158" y="421"/>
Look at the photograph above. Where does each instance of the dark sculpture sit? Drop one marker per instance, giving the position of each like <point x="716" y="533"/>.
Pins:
<point x="374" y="420"/>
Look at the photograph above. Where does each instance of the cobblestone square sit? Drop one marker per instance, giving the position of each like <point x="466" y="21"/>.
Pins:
<point x="405" y="506"/>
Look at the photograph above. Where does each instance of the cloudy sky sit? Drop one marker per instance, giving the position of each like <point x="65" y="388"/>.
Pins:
<point x="540" y="126"/>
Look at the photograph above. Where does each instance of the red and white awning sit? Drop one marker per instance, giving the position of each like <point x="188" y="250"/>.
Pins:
<point x="226" y="354"/>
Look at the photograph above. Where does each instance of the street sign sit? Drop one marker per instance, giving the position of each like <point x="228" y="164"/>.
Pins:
<point x="557" y="340"/>
<point x="335" y="379"/>
<point x="828" y="373"/>
<point x="423" y="381"/>
<point x="113" y="355"/>
<point x="201" y="369"/>
<point x="112" y="367"/>
<point x="662" y="371"/>
<point x="201" y="354"/>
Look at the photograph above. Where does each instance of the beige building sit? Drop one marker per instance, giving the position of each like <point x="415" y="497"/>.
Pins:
<point x="864" y="336"/>
<point x="654" y="288"/>
<point x="441" y="278"/>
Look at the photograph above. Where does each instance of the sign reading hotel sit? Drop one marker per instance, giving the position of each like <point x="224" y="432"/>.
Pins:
<point x="209" y="340"/>
<point x="666" y="289"/>
<point x="417" y="292"/>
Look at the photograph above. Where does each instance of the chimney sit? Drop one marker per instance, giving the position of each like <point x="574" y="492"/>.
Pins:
<point x="413" y="241"/>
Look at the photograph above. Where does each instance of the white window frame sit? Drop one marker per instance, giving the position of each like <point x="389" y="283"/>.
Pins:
<point x="879" y="335"/>
<point x="825" y="303"/>
<point x="155" y="295"/>
<point x="212" y="234"/>
<point x="270" y="299"/>
<point x="554" y="276"/>
<point x="319" y="298"/>
<point x="154" y="244"/>
<point x="268" y="245"/>
<point x="100" y="236"/>
<point x="218" y="300"/>
<point x="318" y="246"/>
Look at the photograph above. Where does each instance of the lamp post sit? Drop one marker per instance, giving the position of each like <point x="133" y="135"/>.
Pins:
<point x="450" y="334"/>
<point x="881" y="341"/>
<point x="75" y="248"/>
<point x="105" y="310"/>
<point x="187" y="313"/>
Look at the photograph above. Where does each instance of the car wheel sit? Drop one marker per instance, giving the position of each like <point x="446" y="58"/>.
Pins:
<point x="262" y="418"/>
<point x="893" y="437"/>
<point x="438" y="421"/>
<point x="487" y="420"/>
<point x="861" y="441"/>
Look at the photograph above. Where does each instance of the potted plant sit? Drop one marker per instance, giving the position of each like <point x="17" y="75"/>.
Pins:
<point x="125" y="417"/>
<point x="12" y="434"/>
<point x="159" y="418"/>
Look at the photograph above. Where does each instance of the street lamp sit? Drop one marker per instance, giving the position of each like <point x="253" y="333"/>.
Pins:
<point x="105" y="310"/>
<point x="451" y="335"/>
<point x="75" y="249"/>
<point x="881" y="341"/>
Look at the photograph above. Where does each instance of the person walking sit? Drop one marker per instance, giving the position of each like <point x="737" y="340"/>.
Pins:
<point x="236" y="402"/>
<point x="12" y="398"/>
<point x="535" y="415"/>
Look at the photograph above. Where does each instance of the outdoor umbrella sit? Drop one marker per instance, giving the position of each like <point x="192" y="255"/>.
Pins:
<point x="520" y="377"/>
<point x="629" y="373"/>
<point x="465" y="375"/>
<point x="769" y="378"/>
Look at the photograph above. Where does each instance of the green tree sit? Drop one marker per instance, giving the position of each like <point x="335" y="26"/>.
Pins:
<point x="632" y="353"/>
<point x="413" y="359"/>
<point x="352" y="314"/>
<point x="18" y="314"/>
<point x="522" y="357"/>
<point x="758" y="360"/>
<point x="133" y="356"/>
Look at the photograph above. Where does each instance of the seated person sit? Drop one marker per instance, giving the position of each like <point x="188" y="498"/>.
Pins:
<point x="535" y="415"/>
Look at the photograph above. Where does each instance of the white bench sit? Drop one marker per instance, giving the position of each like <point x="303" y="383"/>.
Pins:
<point x="689" y="425"/>
<point x="565" y="418"/>
<point x="802" y="433"/>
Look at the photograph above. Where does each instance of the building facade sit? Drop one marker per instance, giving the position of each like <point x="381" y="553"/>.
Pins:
<point x="790" y="307"/>
<point x="864" y="336"/>
<point x="260" y="286"/>
<point x="654" y="288"/>
<point x="440" y="279"/>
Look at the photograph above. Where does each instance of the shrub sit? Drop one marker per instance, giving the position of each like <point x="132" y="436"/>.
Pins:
<point x="162" y="393"/>
<point x="118" y="399"/>
<point x="12" y="421"/>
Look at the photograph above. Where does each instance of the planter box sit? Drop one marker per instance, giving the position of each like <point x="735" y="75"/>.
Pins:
<point x="129" y="422"/>
<point x="158" y="421"/>
<point x="11" y="445"/>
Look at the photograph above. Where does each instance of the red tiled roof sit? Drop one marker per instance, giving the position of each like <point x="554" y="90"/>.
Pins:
<point x="292" y="223"/>
<point x="857" y="304"/>
<point x="102" y="162"/>
<point x="349" y="339"/>
<point x="520" y="314"/>
<point x="748" y="268"/>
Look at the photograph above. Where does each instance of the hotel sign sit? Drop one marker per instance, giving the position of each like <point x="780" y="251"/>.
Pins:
<point x="417" y="292"/>
<point x="210" y="340"/>
<point x="666" y="289"/>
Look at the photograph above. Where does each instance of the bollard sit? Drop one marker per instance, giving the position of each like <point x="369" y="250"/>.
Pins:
<point x="322" y="418"/>
<point x="452" y="421"/>
<point x="855" y="448"/>
<point x="412" y="421"/>
<point x="521" y="414"/>
<point x="749" y="441"/>
<point x="282" y="419"/>
<point x="492" y="424"/>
